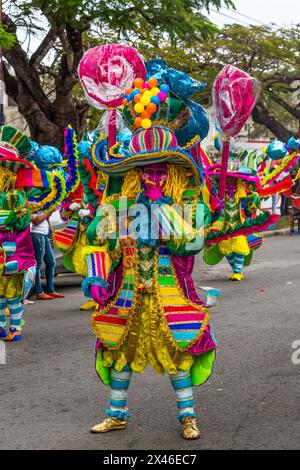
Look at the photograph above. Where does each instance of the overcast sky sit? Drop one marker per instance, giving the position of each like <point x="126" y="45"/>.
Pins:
<point x="282" y="12"/>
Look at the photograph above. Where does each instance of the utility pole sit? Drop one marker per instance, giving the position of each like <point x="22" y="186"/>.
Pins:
<point x="2" y="87"/>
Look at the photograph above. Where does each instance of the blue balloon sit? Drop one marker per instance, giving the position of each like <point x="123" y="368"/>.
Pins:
<point x="165" y="88"/>
<point x="135" y="92"/>
<point x="155" y="99"/>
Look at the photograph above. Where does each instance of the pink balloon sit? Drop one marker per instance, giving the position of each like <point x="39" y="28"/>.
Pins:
<point x="235" y="94"/>
<point x="106" y="71"/>
<point x="162" y="96"/>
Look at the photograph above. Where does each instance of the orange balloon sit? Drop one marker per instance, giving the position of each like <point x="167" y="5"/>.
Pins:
<point x="125" y="101"/>
<point x="137" y="98"/>
<point x="138" y="122"/>
<point x="146" y="115"/>
<point x="151" y="108"/>
<point x="152" y="82"/>
<point x="138" y="82"/>
<point x="128" y="91"/>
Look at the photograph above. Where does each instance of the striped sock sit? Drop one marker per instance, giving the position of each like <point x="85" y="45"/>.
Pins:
<point x="238" y="263"/>
<point x="3" y="302"/>
<point x="118" y="393"/>
<point x="16" y="309"/>
<point x="182" y="384"/>
<point x="231" y="260"/>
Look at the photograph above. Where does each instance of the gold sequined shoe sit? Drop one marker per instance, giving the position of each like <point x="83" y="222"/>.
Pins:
<point x="237" y="277"/>
<point x="189" y="428"/>
<point x="109" y="424"/>
<point x="90" y="305"/>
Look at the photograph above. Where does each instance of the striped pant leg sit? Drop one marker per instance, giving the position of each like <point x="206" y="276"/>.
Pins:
<point x="3" y="304"/>
<point x="182" y="384"/>
<point x="16" y="309"/>
<point x="118" y="393"/>
<point x="238" y="263"/>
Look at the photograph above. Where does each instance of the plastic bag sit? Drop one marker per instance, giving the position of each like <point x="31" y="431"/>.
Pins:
<point x="106" y="71"/>
<point x="235" y="94"/>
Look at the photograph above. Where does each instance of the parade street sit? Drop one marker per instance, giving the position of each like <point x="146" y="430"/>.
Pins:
<point x="51" y="396"/>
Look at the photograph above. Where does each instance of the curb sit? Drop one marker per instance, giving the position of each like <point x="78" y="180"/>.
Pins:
<point x="272" y="233"/>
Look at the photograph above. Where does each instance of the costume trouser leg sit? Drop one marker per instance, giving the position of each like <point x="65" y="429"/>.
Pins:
<point x="118" y="393"/>
<point x="16" y="309"/>
<point x="3" y="304"/>
<point x="182" y="384"/>
<point x="120" y="381"/>
<point x="49" y="260"/>
<point x="38" y="241"/>
<point x="236" y="262"/>
<point x="231" y="260"/>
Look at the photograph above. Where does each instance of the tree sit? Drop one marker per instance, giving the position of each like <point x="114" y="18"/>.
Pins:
<point x="44" y="82"/>
<point x="268" y="53"/>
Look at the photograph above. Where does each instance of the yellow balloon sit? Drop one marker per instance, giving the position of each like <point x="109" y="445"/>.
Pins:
<point x="154" y="91"/>
<point x="139" y="108"/>
<point x="146" y="123"/>
<point x="145" y="100"/>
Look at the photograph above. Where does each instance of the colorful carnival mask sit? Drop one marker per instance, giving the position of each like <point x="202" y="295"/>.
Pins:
<point x="154" y="179"/>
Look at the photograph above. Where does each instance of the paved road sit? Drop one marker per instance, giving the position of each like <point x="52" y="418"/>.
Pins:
<point x="50" y="395"/>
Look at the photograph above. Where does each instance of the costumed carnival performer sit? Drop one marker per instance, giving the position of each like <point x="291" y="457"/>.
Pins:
<point x="248" y="181"/>
<point x="25" y="190"/>
<point x="235" y="93"/>
<point x="78" y="209"/>
<point x="149" y="312"/>
<point x="17" y="260"/>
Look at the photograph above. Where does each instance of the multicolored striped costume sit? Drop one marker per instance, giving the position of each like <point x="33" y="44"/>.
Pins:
<point x="149" y="312"/>
<point x="153" y="315"/>
<point x="240" y="204"/>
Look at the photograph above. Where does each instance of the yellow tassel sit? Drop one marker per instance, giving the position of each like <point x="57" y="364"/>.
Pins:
<point x="177" y="183"/>
<point x="132" y="184"/>
<point x="7" y="179"/>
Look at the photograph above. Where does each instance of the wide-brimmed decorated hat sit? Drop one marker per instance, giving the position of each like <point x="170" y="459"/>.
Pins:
<point x="15" y="146"/>
<point x="242" y="164"/>
<point x="154" y="114"/>
<point x="235" y="170"/>
<point x="147" y="147"/>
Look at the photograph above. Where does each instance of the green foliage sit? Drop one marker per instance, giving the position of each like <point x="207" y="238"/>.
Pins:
<point x="7" y="40"/>
<point x="271" y="55"/>
<point x="180" y="31"/>
<point x="177" y="19"/>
